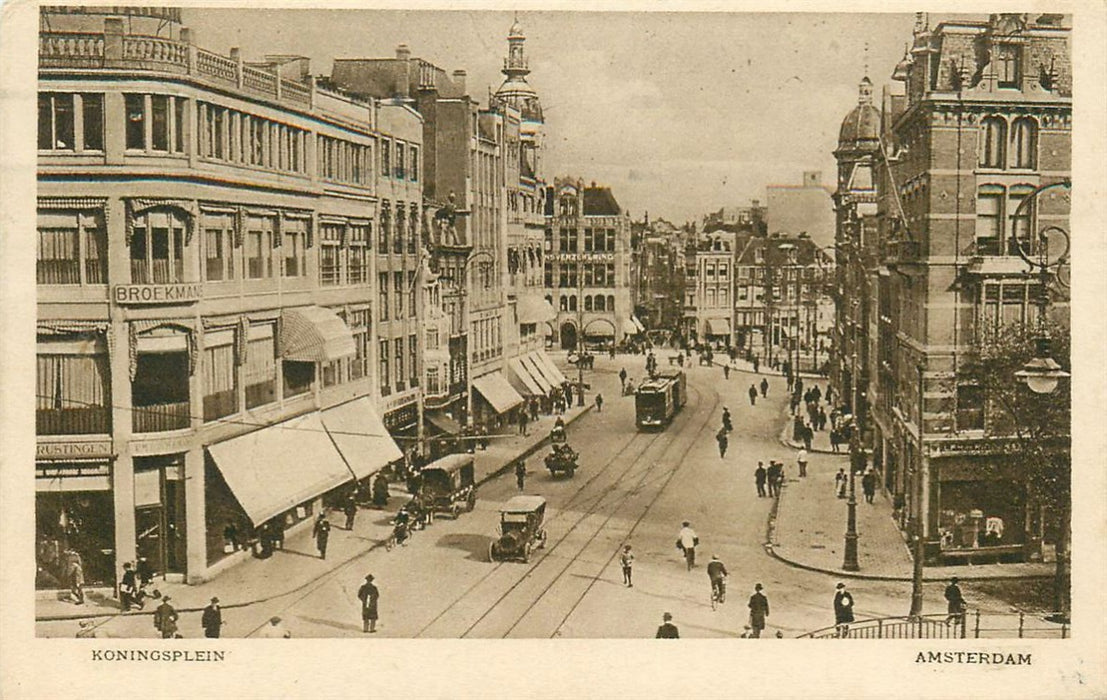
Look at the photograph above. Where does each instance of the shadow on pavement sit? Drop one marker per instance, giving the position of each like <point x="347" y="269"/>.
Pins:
<point x="476" y="546"/>
<point x="330" y="623"/>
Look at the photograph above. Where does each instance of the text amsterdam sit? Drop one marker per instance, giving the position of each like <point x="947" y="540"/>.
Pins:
<point x="169" y="655"/>
<point x="992" y="658"/>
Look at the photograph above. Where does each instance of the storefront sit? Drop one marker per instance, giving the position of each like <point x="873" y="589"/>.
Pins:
<point x="981" y="510"/>
<point x="160" y="528"/>
<point x="74" y="518"/>
<point x="498" y="399"/>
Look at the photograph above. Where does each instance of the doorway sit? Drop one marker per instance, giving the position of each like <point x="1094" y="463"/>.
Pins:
<point x="568" y="336"/>
<point x="160" y="512"/>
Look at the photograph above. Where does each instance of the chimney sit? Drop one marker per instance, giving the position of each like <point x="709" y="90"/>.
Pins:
<point x="403" y="53"/>
<point x="459" y="80"/>
<point x="403" y="71"/>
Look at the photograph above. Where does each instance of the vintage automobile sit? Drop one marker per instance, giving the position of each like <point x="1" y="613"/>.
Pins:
<point x="447" y="485"/>
<point x="562" y="459"/>
<point x="520" y="529"/>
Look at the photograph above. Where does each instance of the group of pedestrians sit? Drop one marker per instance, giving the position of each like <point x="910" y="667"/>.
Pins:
<point x="769" y="481"/>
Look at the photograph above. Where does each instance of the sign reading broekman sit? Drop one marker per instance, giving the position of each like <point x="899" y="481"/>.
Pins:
<point x="157" y="293"/>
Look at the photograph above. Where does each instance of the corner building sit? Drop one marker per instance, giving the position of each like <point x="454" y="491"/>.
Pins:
<point x="210" y="236"/>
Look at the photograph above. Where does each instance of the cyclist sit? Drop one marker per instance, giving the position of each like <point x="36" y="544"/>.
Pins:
<point x="717" y="572"/>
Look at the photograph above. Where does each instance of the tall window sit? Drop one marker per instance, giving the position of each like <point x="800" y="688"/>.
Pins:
<point x="994" y="140"/>
<point x="72" y="392"/>
<point x="219" y="251"/>
<point x="411" y="295"/>
<point x="413" y="220"/>
<point x="1018" y="221"/>
<point x="71" y="248"/>
<point x="386" y="158"/>
<point x="385" y="227"/>
<point x="358" y="253"/>
<point x="413" y="360"/>
<point x="989" y="220"/>
<point x="359" y="326"/>
<point x="382" y="292"/>
<point x="330" y="254"/>
<point x="1024" y="143"/>
<point x="384" y="378"/>
<point x="58" y="121"/>
<point x="1007" y="303"/>
<point x="970" y="407"/>
<point x="398" y="292"/>
<point x="152" y="123"/>
<point x="1008" y="69"/>
<point x="260" y="372"/>
<point x="157" y="248"/>
<point x="294" y="232"/>
<point x="401" y="152"/>
<point x="259" y="247"/>
<point x="588" y="302"/>
<point x="220" y="388"/>
<point x="413" y="167"/>
<point x="399" y="231"/>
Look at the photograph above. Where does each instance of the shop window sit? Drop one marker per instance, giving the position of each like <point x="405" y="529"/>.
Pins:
<point x="975" y="515"/>
<point x="70" y="524"/>
<point x="159" y="392"/>
<point x="260" y="371"/>
<point x="220" y="254"/>
<point x="298" y="377"/>
<point x="71" y="248"/>
<point x="72" y="394"/>
<point x="970" y="407"/>
<point x="220" y="385"/>
<point x="259" y="247"/>
<point x="157" y="248"/>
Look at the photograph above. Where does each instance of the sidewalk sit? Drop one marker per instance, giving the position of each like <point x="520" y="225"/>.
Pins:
<point x="809" y="525"/>
<point x="298" y="564"/>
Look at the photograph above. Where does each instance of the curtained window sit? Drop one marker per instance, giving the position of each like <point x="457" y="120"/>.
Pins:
<point x="157" y="248"/>
<point x="219" y="250"/>
<point x="260" y="375"/>
<point x="220" y="388"/>
<point x="1024" y="143"/>
<point x="71" y="248"/>
<point x="72" y="394"/>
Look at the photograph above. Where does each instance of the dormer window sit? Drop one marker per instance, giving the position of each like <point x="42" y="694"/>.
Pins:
<point x="1008" y="60"/>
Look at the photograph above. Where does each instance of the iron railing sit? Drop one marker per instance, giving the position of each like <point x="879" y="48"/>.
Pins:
<point x="976" y="624"/>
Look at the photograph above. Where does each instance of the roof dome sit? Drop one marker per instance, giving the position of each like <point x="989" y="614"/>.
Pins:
<point x="862" y="124"/>
<point x="516" y="31"/>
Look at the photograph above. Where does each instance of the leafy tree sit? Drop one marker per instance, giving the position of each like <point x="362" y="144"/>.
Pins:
<point x="1033" y="430"/>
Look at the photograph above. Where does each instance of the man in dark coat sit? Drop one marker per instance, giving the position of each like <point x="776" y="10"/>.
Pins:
<point x="759" y="476"/>
<point x="520" y="473"/>
<point x="128" y="589"/>
<point x="955" y="601"/>
<point x="753" y="395"/>
<point x="212" y="619"/>
<point x="868" y="485"/>
<point x="322" y="533"/>
<point x="523" y="419"/>
<point x="667" y="630"/>
<point x="759" y="610"/>
<point x="368" y="595"/>
<point x="843" y="609"/>
<point x="764" y="387"/>
<point x="623" y="376"/>
<point x="721" y="438"/>
<point x="165" y="619"/>
<point x="350" y="510"/>
<point x="756" y="364"/>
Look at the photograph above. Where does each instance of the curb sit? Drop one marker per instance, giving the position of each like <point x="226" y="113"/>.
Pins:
<point x="229" y="606"/>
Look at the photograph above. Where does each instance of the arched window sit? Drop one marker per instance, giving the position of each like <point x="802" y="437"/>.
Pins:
<point x="573" y="302"/>
<point x="1024" y="143"/>
<point x="564" y="303"/>
<point x="610" y="302"/>
<point x="994" y="138"/>
<point x="588" y="302"/>
<point x="600" y="305"/>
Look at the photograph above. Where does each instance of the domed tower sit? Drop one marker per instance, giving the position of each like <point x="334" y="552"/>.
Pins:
<point x="518" y="93"/>
<point x="858" y="142"/>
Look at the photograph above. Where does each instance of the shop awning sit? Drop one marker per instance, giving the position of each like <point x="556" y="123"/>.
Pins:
<point x="600" y="330"/>
<point x="277" y="468"/>
<point x="629" y="328"/>
<point x="495" y="389"/>
<point x="361" y="437"/>
<point x="545" y="379"/>
<point x="522" y="379"/>
<point x="315" y="334"/>
<point x="534" y="309"/>
<point x="718" y="326"/>
<point x="641" y="328"/>
<point x="442" y="422"/>
<point x="547" y="364"/>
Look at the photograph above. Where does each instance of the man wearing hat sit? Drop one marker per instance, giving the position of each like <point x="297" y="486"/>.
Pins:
<point x="368" y="594"/>
<point x="759" y="610"/>
<point x="165" y="619"/>
<point x="212" y="619"/>
<point x="274" y="630"/>
<point x="667" y="630"/>
<point x="956" y="601"/>
<point x="843" y="609"/>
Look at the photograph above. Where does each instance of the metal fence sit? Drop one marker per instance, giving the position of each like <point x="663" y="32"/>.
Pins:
<point x="976" y="624"/>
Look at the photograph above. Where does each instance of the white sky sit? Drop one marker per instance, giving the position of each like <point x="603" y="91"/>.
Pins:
<point x="680" y="113"/>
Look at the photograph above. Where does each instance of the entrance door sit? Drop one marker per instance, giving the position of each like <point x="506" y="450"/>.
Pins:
<point x="568" y="336"/>
<point x="160" y="512"/>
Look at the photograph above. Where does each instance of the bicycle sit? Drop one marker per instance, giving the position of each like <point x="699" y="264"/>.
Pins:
<point x="718" y="592"/>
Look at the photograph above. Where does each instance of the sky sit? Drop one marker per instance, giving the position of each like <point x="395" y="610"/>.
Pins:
<point x="679" y="113"/>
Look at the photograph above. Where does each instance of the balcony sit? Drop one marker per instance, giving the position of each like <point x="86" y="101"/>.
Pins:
<point x="160" y="417"/>
<point x="92" y="420"/>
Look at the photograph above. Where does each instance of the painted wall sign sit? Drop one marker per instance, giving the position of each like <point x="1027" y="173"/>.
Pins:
<point x="157" y="293"/>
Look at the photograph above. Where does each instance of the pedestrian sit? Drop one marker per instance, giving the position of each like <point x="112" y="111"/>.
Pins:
<point x="165" y="619"/>
<point x="808" y="436"/>
<point x="773" y="478"/>
<point x="868" y="485"/>
<point x="727" y="424"/>
<point x="721" y="438"/>
<point x="843" y="610"/>
<point x="520" y="473"/>
<point x="835" y="439"/>
<point x="523" y="421"/>
<point x="350" y="509"/>
<point x="799" y="385"/>
<point x="779" y="477"/>
<point x="955" y="601"/>
<point x="322" y="532"/>
<point x="568" y="394"/>
<point x="380" y="490"/>
<point x="816" y="393"/>
<point x="756" y="365"/>
<point x="667" y="630"/>
<point x="830" y="395"/>
<point x="534" y="409"/>
<point x="627" y="560"/>
<point x="791" y="380"/>
<point x="726" y="371"/>
<point x="212" y="619"/>
<point x="759" y="477"/>
<point x="75" y="575"/>
<point x="764" y="387"/>
<point x="801" y="461"/>
<point x="840" y="480"/>
<point x="368" y="594"/>
<point x="599" y="403"/>
<point x="759" y="610"/>
<point x="822" y="419"/>
<point x="623" y="377"/>
<point x="753" y="395"/>
<point x="128" y="588"/>
<point x="687" y="541"/>
<point x="274" y="630"/>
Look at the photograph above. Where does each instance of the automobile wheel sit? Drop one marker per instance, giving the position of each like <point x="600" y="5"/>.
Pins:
<point x="571" y="472"/>
<point x="541" y="539"/>
<point x="471" y="502"/>
<point x="454" y="510"/>
<point x="526" y="552"/>
<point x="492" y="552"/>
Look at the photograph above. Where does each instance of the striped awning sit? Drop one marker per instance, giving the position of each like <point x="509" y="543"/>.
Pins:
<point x="641" y="328"/>
<point x="629" y="328"/>
<point x="718" y="326"/>
<point x="314" y="334"/>
<point x="551" y="369"/>
<point x="543" y="379"/>
<point x="495" y="389"/>
<point x="522" y="378"/>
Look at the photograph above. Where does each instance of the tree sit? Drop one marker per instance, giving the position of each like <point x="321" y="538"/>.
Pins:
<point x="1033" y="430"/>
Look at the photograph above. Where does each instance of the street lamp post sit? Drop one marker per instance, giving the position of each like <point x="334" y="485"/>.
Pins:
<point x="918" y="530"/>
<point x="849" y="560"/>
